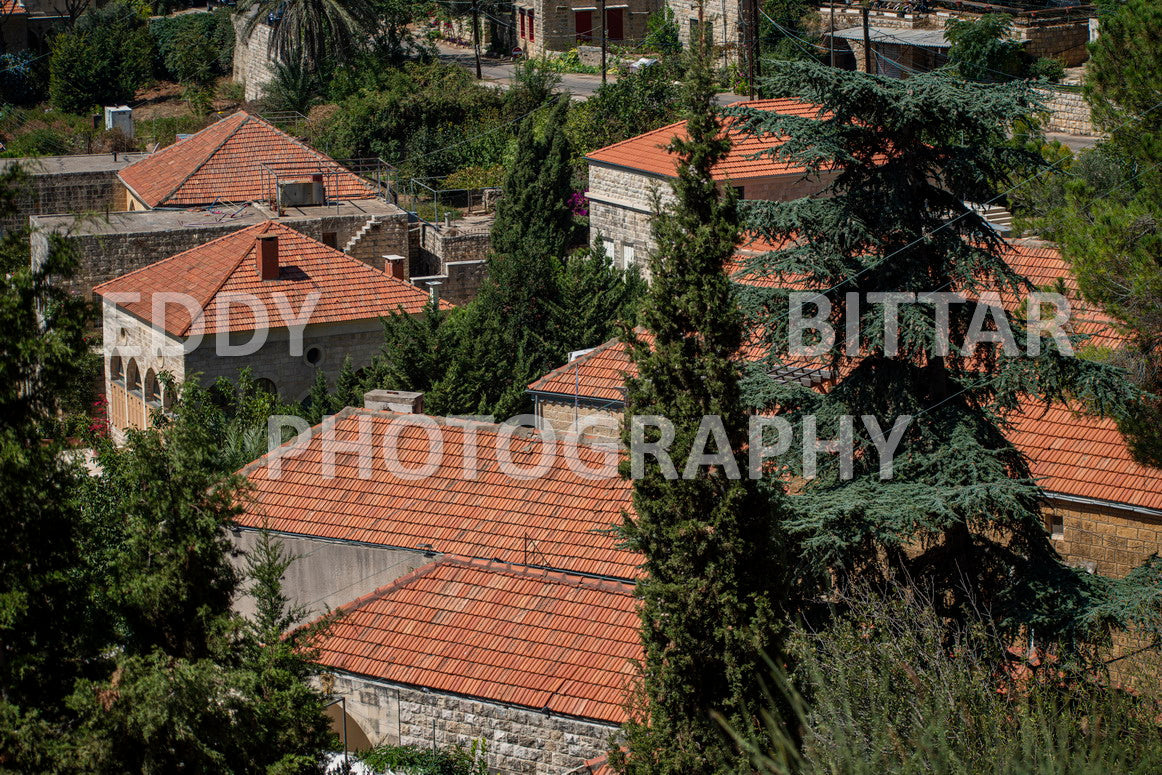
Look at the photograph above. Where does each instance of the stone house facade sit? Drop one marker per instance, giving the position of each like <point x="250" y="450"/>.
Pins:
<point x="264" y="298"/>
<point x="543" y="26"/>
<point x="629" y="181"/>
<point x="85" y="183"/>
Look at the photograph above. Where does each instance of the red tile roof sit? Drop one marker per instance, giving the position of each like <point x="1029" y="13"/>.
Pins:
<point x="647" y="152"/>
<point x="533" y="638"/>
<point x="559" y="520"/>
<point x="1085" y="457"/>
<point x="1071" y="454"/>
<point x="12" y="8"/>
<point x="225" y="268"/>
<point x="224" y="162"/>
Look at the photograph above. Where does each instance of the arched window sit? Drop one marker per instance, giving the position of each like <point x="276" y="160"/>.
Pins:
<point x="266" y="386"/>
<point x="152" y="388"/>
<point x="133" y="378"/>
<point x="116" y="369"/>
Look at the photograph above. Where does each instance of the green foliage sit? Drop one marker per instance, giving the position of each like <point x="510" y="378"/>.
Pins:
<point x="712" y="572"/>
<point x="23" y="79"/>
<point x="193" y="48"/>
<point x="596" y="296"/>
<point x="313" y="33"/>
<point x="635" y="103"/>
<point x="908" y="154"/>
<point x="533" y="85"/>
<point x="103" y="60"/>
<point x="887" y="688"/>
<point x="416" y="351"/>
<point x="984" y="50"/>
<point x="413" y="760"/>
<point x="417" y="117"/>
<point x="662" y="32"/>
<point x="787" y="30"/>
<point x="293" y="88"/>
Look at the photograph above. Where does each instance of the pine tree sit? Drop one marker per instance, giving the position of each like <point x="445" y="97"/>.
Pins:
<point x="711" y="571"/>
<point x="347" y="391"/>
<point x="317" y="404"/>
<point x="416" y="351"/>
<point x="906" y="156"/>
<point x="509" y="334"/>
<point x="596" y="298"/>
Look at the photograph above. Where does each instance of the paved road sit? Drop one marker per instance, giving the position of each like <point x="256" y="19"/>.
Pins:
<point x="499" y="72"/>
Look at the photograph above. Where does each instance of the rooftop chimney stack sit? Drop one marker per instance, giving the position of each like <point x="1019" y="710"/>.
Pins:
<point x="401" y="401"/>
<point x="267" y="256"/>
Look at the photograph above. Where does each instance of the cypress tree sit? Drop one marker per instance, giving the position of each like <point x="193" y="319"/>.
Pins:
<point x="711" y="565"/>
<point x="960" y="511"/>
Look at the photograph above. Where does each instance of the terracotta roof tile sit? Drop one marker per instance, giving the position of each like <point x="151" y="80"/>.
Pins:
<point x="559" y="520"/>
<point x="1070" y="454"/>
<point x="508" y="634"/>
<point x="647" y="152"/>
<point x="224" y="162"/>
<point x="12" y="8"/>
<point x="214" y="273"/>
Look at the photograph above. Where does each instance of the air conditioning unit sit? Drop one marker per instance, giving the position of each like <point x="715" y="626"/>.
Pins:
<point x="302" y="194"/>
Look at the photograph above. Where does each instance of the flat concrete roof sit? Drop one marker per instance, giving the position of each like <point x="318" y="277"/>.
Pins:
<point x="140" y="221"/>
<point x="85" y="162"/>
<point x="899" y="37"/>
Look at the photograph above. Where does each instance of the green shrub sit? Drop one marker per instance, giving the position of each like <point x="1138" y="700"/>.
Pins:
<point x="193" y="48"/>
<point x="635" y="103"/>
<point x="413" y="760"/>
<point x="103" y="60"/>
<point x="662" y="33"/>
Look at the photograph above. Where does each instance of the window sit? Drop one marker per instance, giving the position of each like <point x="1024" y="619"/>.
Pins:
<point x="152" y="388"/>
<point x="629" y="255"/>
<point x="266" y="386"/>
<point x="313" y="355"/>
<point x="116" y="369"/>
<point x="707" y="27"/>
<point x="331" y="239"/>
<point x="615" y="24"/>
<point x="741" y="191"/>
<point x="583" y="25"/>
<point x="608" y="246"/>
<point x="1056" y="527"/>
<point x="522" y="22"/>
<point x="532" y="25"/>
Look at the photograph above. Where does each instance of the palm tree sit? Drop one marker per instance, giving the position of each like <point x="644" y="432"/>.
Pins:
<point x="310" y="32"/>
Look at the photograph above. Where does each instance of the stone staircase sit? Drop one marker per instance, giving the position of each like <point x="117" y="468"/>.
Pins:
<point x="997" y="217"/>
<point x="358" y="236"/>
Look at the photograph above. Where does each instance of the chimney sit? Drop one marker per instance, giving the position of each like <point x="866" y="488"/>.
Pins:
<point x="397" y="266"/>
<point x="401" y="401"/>
<point x="266" y="252"/>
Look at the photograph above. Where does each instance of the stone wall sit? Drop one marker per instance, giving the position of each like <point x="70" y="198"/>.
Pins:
<point x="1104" y="538"/>
<point x="291" y="374"/>
<point x="1068" y="113"/>
<point x="565" y="416"/>
<point x="455" y="258"/>
<point x="129" y="241"/>
<point x="555" y="23"/>
<point x="622" y="202"/>
<point x="520" y="741"/>
<point x="253" y="63"/>
<point x="80" y="184"/>
<point x="722" y="15"/>
<point x="327" y="574"/>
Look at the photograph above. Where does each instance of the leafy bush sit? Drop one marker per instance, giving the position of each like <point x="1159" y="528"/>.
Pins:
<point x="22" y="81"/>
<point x="193" y="48"/>
<point x="662" y="32"/>
<point x="294" y="87"/>
<point x="103" y="60"/>
<point x="634" y="103"/>
<point x="413" y="760"/>
<point x="982" y="50"/>
<point x="419" y="117"/>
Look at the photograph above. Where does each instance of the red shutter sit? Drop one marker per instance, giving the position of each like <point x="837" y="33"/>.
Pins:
<point x="522" y="22"/>
<point x="532" y="25"/>
<point x="614" y="24"/>
<point x="583" y="24"/>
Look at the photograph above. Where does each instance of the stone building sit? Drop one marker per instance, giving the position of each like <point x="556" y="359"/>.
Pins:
<point x="535" y="663"/>
<point x="265" y="297"/>
<point x="238" y="171"/>
<point x="492" y="601"/>
<point x="1103" y="510"/>
<point x="626" y="178"/>
<point x="543" y="26"/>
<point x="80" y="184"/>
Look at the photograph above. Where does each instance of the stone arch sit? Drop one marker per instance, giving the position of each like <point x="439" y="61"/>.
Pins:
<point x="266" y="385"/>
<point x="133" y="376"/>
<point x="152" y="388"/>
<point x="357" y="739"/>
<point x="116" y="369"/>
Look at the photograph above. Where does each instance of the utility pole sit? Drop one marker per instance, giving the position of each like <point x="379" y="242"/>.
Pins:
<point x="603" y="46"/>
<point x="476" y="36"/>
<point x="867" y="52"/>
<point x="750" y="27"/>
<point x="833" y="33"/>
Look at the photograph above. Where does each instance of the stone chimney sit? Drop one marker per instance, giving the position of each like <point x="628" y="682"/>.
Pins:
<point x="266" y="252"/>
<point x="396" y="266"/>
<point x="401" y="401"/>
